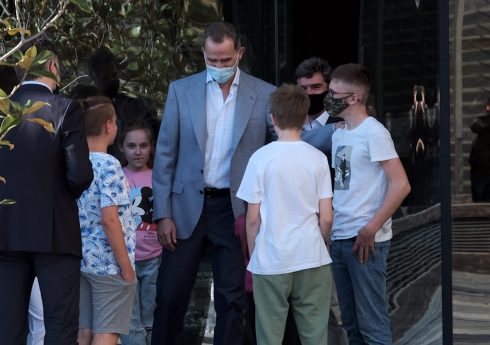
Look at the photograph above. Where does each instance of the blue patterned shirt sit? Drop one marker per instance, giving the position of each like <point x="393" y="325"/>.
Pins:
<point x="108" y="188"/>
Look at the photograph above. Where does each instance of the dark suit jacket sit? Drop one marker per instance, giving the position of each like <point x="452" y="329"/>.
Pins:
<point x="45" y="174"/>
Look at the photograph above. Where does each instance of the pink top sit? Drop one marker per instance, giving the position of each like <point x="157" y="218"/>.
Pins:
<point x="147" y="245"/>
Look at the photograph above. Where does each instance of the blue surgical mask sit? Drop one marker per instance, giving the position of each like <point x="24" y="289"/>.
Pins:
<point x="222" y="75"/>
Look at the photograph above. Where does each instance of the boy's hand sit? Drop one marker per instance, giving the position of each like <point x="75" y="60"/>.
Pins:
<point x="128" y="275"/>
<point x="167" y="234"/>
<point x="364" y="244"/>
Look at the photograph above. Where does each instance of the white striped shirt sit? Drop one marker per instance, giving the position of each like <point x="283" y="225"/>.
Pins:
<point x="219" y="122"/>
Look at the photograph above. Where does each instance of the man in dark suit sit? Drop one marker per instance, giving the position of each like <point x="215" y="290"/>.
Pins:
<point x="40" y="234"/>
<point x="213" y="122"/>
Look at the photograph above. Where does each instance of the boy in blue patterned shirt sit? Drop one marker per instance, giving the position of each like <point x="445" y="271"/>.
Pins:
<point x="108" y="228"/>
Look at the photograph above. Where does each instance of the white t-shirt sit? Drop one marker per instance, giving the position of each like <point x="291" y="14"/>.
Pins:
<point x="360" y="183"/>
<point x="287" y="178"/>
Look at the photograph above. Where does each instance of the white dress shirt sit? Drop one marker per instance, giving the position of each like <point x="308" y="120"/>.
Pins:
<point x="219" y="122"/>
<point x="318" y="122"/>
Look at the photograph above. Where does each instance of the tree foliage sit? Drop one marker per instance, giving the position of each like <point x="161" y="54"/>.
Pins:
<point x="155" y="41"/>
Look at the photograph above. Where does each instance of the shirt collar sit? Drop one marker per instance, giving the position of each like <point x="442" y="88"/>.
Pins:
<point x="322" y="119"/>
<point x="33" y="82"/>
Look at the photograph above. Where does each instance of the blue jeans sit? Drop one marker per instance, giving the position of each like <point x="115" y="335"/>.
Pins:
<point x="361" y="289"/>
<point x="144" y="303"/>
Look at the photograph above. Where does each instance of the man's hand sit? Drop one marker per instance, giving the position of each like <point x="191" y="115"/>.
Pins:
<point x="328" y="243"/>
<point x="167" y="234"/>
<point x="364" y="244"/>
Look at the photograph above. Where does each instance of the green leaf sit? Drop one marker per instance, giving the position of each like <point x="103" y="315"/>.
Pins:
<point x="6" y="22"/>
<point x="83" y="5"/>
<point x="7" y="143"/>
<point x="31" y="52"/>
<point x="135" y="31"/>
<point x="8" y="123"/>
<point x="43" y="57"/>
<point x="46" y="125"/>
<point x="16" y="109"/>
<point x="7" y="202"/>
<point x="15" y="31"/>
<point x="4" y="103"/>
<point x="27" y="58"/>
<point x="43" y="73"/>
<point x="5" y="106"/>
<point x="33" y="108"/>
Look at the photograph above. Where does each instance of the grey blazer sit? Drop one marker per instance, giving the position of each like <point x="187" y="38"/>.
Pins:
<point x="178" y="179"/>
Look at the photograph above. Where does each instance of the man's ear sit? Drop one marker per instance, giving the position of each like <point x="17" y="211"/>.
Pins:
<point x="353" y="99"/>
<point x="241" y="51"/>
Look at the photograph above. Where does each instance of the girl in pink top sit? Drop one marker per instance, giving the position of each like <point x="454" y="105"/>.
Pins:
<point x="137" y="145"/>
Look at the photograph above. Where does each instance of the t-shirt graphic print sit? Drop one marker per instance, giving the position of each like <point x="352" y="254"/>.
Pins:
<point x="342" y="163"/>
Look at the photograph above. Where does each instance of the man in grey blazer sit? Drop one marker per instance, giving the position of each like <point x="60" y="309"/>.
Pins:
<point x="213" y="122"/>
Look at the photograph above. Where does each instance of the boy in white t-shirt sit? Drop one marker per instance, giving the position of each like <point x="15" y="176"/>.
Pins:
<point x="289" y="217"/>
<point x="370" y="184"/>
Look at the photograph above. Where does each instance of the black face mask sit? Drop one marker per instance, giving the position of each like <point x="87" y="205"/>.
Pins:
<point x="316" y="103"/>
<point x="334" y="106"/>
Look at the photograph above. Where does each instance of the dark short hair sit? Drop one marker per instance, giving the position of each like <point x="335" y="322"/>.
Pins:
<point x="97" y="110"/>
<point x="289" y="105"/>
<point x="313" y="65"/>
<point x="219" y="31"/>
<point x="354" y="74"/>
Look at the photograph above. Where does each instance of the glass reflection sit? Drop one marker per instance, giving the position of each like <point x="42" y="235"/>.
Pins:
<point x="400" y="48"/>
<point x="470" y="91"/>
